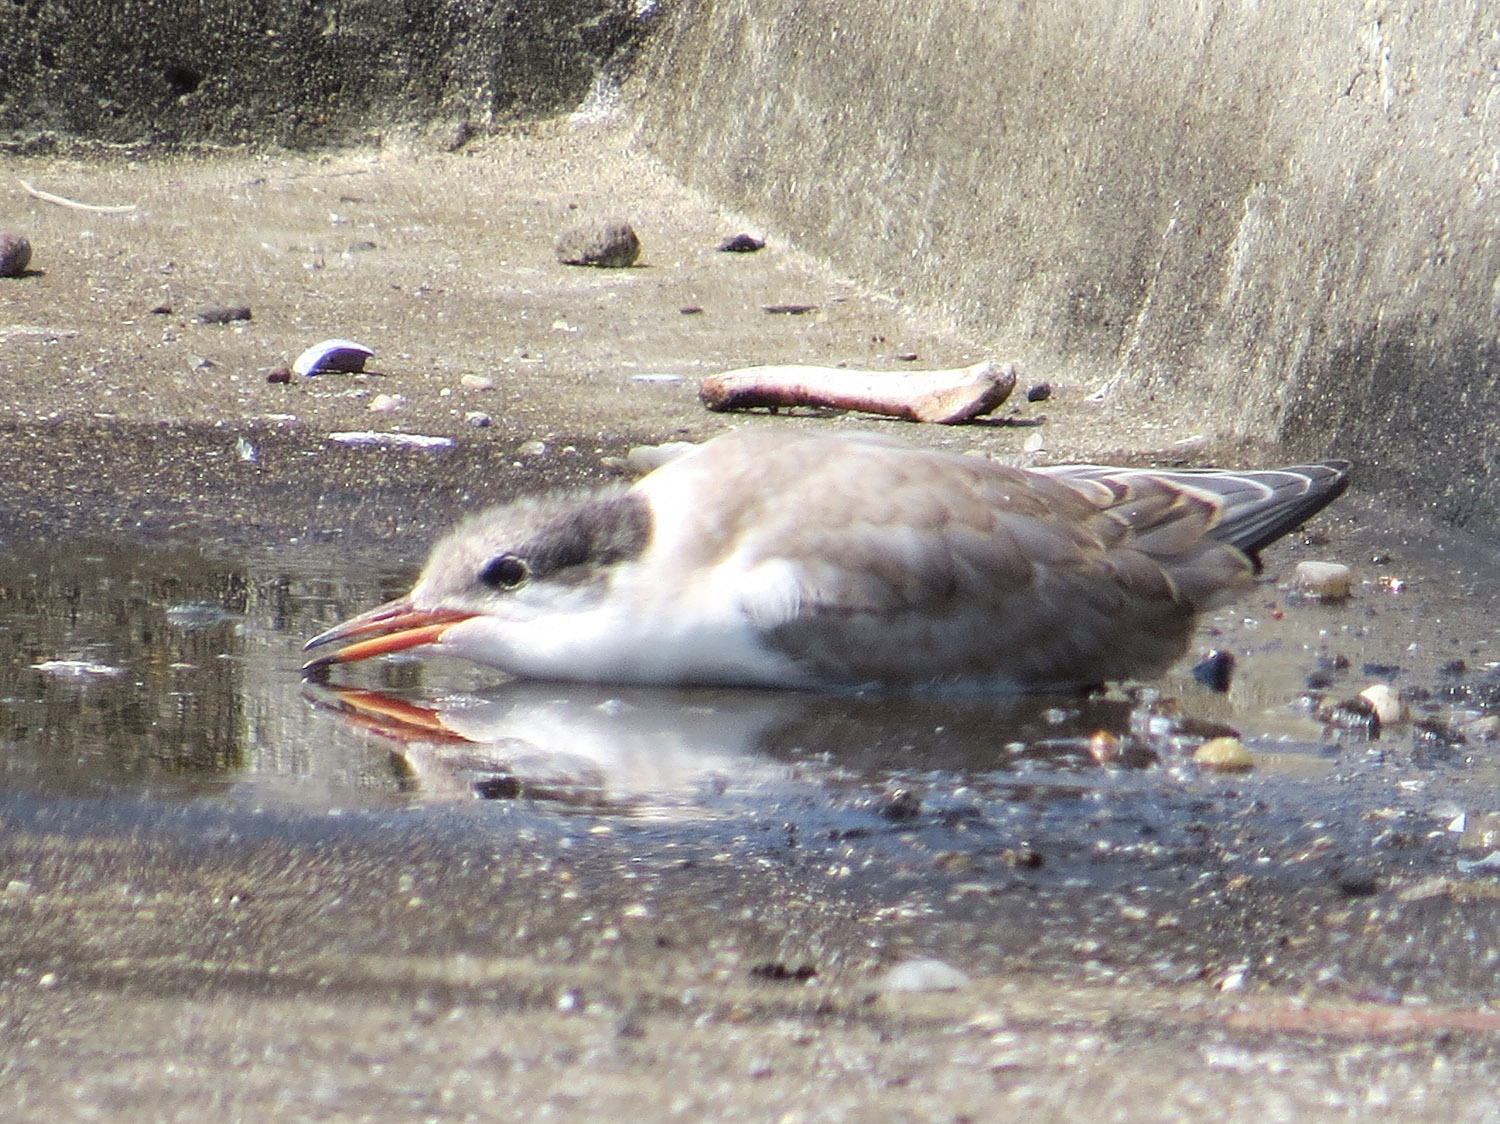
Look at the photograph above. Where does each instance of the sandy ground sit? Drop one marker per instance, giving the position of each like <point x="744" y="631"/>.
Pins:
<point x="176" y="966"/>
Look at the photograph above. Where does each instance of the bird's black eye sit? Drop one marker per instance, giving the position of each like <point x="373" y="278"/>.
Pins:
<point x="505" y="572"/>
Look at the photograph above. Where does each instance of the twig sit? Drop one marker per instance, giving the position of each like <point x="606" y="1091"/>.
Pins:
<point x="103" y="209"/>
<point x="944" y="397"/>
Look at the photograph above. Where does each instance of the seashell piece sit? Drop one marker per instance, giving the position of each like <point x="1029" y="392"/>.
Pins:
<point x="344" y="356"/>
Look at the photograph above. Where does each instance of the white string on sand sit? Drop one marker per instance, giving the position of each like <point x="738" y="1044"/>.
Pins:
<point x="48" y="197"/>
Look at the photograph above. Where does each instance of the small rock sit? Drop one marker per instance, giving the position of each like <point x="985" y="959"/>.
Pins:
<point x="279" y="373"/>
<point x="1386" y="704"/>
<point x="691" y="309"/>
<point x="741" y="244"/>
<point x="162" y="310"/>
<point x="609" y="244"/>
<point x="222" y="313"/>
<point x="790" y="309"/>
<point x="1039" y="393"/>
<point x="1330" y="581"/>
<point x="1223" y="755"/>
<point x="900" y="804"/>
<point x="1355" y="882"/>
<point x="476" y="382"/>
<point x="532" y="449"/>
<point x="385" y="403"/>
<point x="478" y="419"/>
<point x="1215" y="670"/>
<point x="15" y="254"/>
<point x="1356" y="715"/>
<point x="924" y="975"/>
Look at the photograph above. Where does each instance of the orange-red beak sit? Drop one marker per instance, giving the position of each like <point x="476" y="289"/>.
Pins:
<point x="391" y="627"/>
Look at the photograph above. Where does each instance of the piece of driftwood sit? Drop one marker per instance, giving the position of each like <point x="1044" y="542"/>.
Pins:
<point x="943" y="397"/>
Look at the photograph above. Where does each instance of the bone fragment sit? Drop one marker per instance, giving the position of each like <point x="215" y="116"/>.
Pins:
<point x="944" y="397"/>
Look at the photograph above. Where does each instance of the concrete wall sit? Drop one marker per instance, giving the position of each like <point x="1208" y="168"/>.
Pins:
<point x="1278" y="213"/>
<point x="294" y="72"/>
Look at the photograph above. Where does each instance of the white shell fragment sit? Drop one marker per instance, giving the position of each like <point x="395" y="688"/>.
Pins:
<point x="370" y="437"/>
<point x="76" y="668"/>
<point x="1386" y="704"/>
<point x="344" y="356"/>
<point x="1328" y="580"/>
<point x="924" y="975"/>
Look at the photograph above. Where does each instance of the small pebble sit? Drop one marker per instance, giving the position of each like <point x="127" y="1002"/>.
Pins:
<point x="478" y="419"/>
<point x="691" y="309"/>
<point x="900" y="804"/>
<point x="1386" y="704"/>
<point x="477" y="382"/>
<point x="222" y="313"/>
<point x="1223" y="755"/>
<point x="1216" y="670"/>
<point x="1330" y="581"/>
<point x="1356" y="883"/>
<point x="15" y="254"/>
<point x="280" y="373"/>
<point x="790" y="309"/>
<point x="1356" y="715"/>
<point x="532" y="449"/>
<point x="608" y="244"/>
<point x="924" y="975"/>
<point x="1039" y="393"/>
<point x="385" y="403"/>
<point x="741" y="244"/>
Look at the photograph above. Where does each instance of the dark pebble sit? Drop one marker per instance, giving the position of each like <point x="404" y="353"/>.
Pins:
<point x="901" y="804"/>
<point x="790" y="309"/>
<point x="1355" y="715"/>
<point x="741" y="244"/>
<point x="283" y="373"/>
<point x="15" y="254"/>
<point x="162" y="310"/>
<point x="1356" y="883"/>
<point x="222" y="313"/>
<point x="610" y="244"/>
<point x="690" y="309"/>
<point x="907" y="356"/>
<point x="1024" y="857"/>
<point x="1216" y="670"/>
<point x="780" y="973"/>
<point x="1039" y="393"/>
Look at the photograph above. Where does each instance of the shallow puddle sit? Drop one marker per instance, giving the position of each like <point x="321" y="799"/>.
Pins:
<point x="131" y="672"/>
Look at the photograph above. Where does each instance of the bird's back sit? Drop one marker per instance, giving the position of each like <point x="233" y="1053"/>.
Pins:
<point x="865" y="560"/>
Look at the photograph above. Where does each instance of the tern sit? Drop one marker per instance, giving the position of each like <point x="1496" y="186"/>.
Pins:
<point x="763" y="558"/>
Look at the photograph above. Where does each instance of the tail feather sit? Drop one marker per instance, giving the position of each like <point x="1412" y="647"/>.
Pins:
<point x="1257" y="506"/>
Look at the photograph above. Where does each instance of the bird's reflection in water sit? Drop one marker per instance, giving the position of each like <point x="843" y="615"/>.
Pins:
<point x="623" y="750"/>
<point x="671" y="751"/>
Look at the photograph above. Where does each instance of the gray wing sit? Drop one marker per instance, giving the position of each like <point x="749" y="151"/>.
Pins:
<point x="915" y="566"/>
<point x="1257" y="507"/>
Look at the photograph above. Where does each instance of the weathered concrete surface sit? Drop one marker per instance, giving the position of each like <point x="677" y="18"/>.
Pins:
<point x="1280" y="213"/>
<point x="293" y="73"/>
